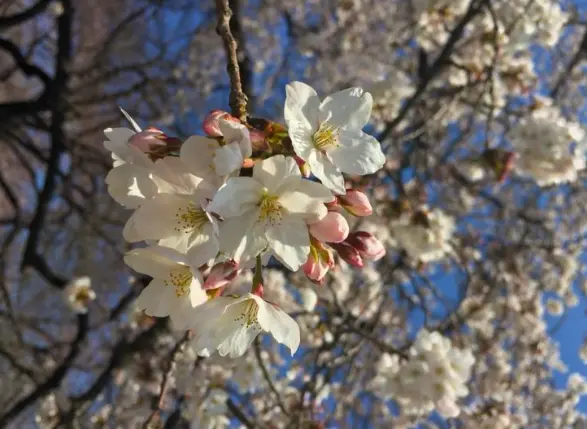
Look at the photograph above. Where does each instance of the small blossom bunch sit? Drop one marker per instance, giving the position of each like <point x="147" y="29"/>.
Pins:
<point x="424" y="235"/>
<point x="543" y="143"/>
<point x="433" y="377"/>
<point x="212" y="207"/>
<point x="79" y="293"/>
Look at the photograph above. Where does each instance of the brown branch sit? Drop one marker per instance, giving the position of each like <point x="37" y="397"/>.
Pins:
<point x="157" y="405"/>
<point x="238" y="99"/>
<point x="54" y="380"/>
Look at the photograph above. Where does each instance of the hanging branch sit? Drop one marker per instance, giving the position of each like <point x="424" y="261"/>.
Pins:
<point x="238" y="99"/>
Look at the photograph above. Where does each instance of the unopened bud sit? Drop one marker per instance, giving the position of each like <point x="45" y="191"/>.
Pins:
<point x="367" y="245"/>
<point x="356" y="203"/>
<point x="258" y="141"/>
<point x="221" y="274"/>
<point x="348" y="254"/>
<point x="248" y="163"/>
<point x="211" y="122"/>
<point x="319" y="261"/>
<point x="145" y="140"/>
<point x="332" y="228"/>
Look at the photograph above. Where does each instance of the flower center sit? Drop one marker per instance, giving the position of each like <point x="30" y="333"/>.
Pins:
<point x="84" y="296"/>
<point x="189" y="218"/>
<point x="181" y="278"/>
<point x="270" y="208"/>
<point x="248" y="317"/>
<point x="326" y="137"/>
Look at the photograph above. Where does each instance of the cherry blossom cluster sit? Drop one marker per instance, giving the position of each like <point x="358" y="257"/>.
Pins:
<point x="433" y="377"/>
<point x="212" y="207"/>
<point x="555" y="160"/>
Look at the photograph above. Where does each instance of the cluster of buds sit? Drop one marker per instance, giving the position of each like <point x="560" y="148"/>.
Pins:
<point x="333" y="233"/>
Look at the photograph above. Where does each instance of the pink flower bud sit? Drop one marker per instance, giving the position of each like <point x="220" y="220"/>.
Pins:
<point x="367" y="245"/>
<point x="145" y="140"/>
<point x="333" y="228"/>
<point x="258" y="141"/>
<point x="303" y="166"/>
<point x="319" y="261"/>
<point x="356" y="203"/>
<point x="348" y="254"/>
<point x="211" y="126"/>
<point x="221" y="274"/>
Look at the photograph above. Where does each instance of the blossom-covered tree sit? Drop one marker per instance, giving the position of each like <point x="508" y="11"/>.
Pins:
<point x="350" y="213"/>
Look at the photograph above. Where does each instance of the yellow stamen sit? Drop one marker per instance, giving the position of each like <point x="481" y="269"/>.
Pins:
<point x="326" y="137"/>
<point x="270" y="208"/>
<point x="181" y="278"/>
<point x="189" y="218"/>
<point x="248" y="317"/>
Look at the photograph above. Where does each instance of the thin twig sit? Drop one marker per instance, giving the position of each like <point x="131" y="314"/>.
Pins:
<point x="165" y="380"/>
<point x="238" y="99"/>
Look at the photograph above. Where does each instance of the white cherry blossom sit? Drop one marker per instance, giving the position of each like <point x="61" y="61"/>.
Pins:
<point x="328" y="135"/>
<point x="229" y="324"/>
<point x="270" y="211"/>
<point x="176" y="287"/>
<point x="176" y="216"/>
<point x="210" y="157"/>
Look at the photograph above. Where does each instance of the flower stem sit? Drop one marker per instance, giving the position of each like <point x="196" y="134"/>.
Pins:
<point x="258" y="278"/>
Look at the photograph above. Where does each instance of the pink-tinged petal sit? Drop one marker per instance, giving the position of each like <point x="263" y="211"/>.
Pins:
<point x="367" y="245"/>
<point x="356" y="203"/>
<point x="333" y="228"/>
<point x="221" y="274"/>
<point x="348" y="254"/>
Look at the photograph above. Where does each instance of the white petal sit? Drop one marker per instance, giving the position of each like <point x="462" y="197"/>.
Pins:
<point x="118" y="135"/>
<point x="157" y="299"/>
<point x="298" y="203"/>
<point x="197" y="153"/>
<point x="177" y="179"/>
<point x="127" y="153"/>
<point x="129" y="232"/>
<point x="301" y="103"/>
<point x="349" y="108"/>
<point x="129" y="185"/>
<point x="238" y="195"/>
<point x="273" y="171"/>
<point x="154" y="261"/>
<point x="284" y="329"/>
<point x="237" y="133"/>
<point x="157" y="218"/>
<point x="290" y="242"/>
<point x="327" y="172"/>
<point x="358" y="153"/>
<point x="242" y="238"/>
<point x="203" y="248"/>
<point x="227" y="159"/>
<point x="302" y="139"/>
<point x="239" y="340"/>
<point x="209" y="326"/>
